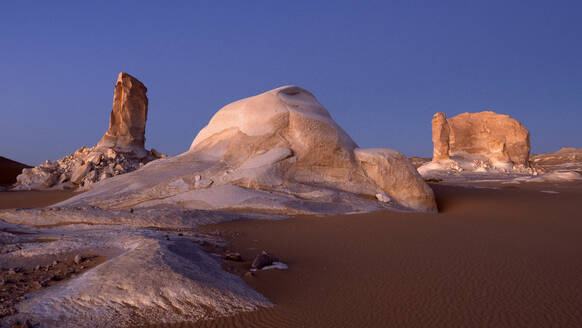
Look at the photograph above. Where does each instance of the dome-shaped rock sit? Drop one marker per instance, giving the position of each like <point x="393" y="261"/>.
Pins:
<point x="279" y="151"/>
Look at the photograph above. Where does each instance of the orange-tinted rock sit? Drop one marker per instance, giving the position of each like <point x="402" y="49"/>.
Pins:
<point x="128" y="116"/>
<point x="440" y="136"/>
<point x="497" y="137"/>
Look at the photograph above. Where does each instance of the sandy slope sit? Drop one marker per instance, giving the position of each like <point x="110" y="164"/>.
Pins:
<point x="493" y="258"/>
<point x="9" y="170"/>
<point x="27" y="199"/>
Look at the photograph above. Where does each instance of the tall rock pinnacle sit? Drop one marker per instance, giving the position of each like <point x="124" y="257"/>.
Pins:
<point x="128" y="116"/>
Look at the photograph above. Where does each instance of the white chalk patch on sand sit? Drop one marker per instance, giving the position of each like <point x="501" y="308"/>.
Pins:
<point x="276" y="265"/>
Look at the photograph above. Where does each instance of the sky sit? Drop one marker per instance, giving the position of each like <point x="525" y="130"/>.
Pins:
<point x="381" y="68"/>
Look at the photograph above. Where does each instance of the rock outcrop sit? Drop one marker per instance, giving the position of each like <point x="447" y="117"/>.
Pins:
<point x="567" y="158"/>
<point x="440" y="136"/>
<point x="128" y="116"/>
<point x="119" y="151"/>
<point x="278" y="152"/>
<point x="478" y="142"/>
<point x="498" y="137"/>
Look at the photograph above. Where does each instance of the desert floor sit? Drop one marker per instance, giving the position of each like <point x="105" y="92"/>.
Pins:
<point x="492" y="258"/>
<point x="496" y="256"/>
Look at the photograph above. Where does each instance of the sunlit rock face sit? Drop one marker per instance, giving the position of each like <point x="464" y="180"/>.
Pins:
<point x="128" y="116"/>
<point x="440" y="136"/>
<point x="478" y="142"/>
<point x="279" y="152"/>
<point x="496" y="136"/>
<point x="119" y="151"/>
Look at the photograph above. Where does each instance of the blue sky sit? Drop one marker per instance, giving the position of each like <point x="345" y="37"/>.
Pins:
<point x="381" y="68"/>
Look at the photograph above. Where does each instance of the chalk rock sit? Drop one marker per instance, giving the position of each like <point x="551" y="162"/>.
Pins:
<point x="497" y="136"/>
<point x="122" y="146"/>
<point x="440" y="136"/>
<point x="565" y="158"/>
<point x="478" y="143"/>
<point x="127" y="122"/>
<point x="80" y="172"/>
<point x="396" y="177"/>
<point x="278" y="152"/>
<point x="263" y="259"/>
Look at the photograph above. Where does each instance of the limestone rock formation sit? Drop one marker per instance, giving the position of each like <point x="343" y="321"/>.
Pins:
<point x="440" y="136"/>
<point x="566" y="158"/>
<point x="278" y="152"/>
<point x="128" y="116"/>
<point x="478" y="142"/>
<point x="120" y="150"/>
<point x="497" y="136"/>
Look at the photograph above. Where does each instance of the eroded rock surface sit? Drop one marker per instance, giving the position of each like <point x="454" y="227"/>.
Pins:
<point x="567" y="158"/>
<point x="498" y="137"/>
<point x="121" y="149"/>
<point x="482" y="142"/>
<point x="128" y="116"/>
<point x="278" y="152"/>
<point x="440" y="136"/>
<point x="145" y="276"/>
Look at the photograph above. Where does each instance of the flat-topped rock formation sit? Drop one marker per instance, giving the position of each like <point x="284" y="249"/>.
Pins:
<point x="500" y="138"/>
<point x="278" y="152"/>
<point x="478" y="142"/>
<point x="119" y="151"/>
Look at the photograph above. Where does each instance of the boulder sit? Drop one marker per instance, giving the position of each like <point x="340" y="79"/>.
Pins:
<point x="279" y="152"/>
<point x="263" y="259"/>
<point x="80" y="172"/>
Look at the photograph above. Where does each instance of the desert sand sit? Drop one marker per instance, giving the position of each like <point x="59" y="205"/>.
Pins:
<point x="495" y="256"/>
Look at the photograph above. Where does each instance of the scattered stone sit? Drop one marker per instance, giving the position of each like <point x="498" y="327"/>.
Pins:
<point x="249" y="274"/>
<point x="263" y="259"/>
<point x="78" y="259"/>
<point x="232" y="256"/>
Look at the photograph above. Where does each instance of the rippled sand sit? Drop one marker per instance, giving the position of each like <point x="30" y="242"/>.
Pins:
<point x="507" y="257"/>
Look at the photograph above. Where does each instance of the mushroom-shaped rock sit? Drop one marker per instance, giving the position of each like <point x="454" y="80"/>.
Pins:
<point x="279" y="152"/>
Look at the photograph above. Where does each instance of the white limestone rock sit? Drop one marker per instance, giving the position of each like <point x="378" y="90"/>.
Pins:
<point x="121" y="147"/>
<point x="279" y="152"/>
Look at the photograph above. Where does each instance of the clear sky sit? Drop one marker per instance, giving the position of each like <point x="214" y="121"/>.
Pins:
<point x="381" y="68"/>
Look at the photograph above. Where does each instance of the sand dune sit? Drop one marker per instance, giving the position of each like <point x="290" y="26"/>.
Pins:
<point x="9" y="170"/>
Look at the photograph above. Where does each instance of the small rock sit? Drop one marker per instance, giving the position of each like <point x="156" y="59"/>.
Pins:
<point x="383" y="197"/>
<point x="232" y="256"/>
<point x="249" y="274"/>
<point x="55" y="262"/>
<point x="263" y="259"/>
<point x="78" y="259"/>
